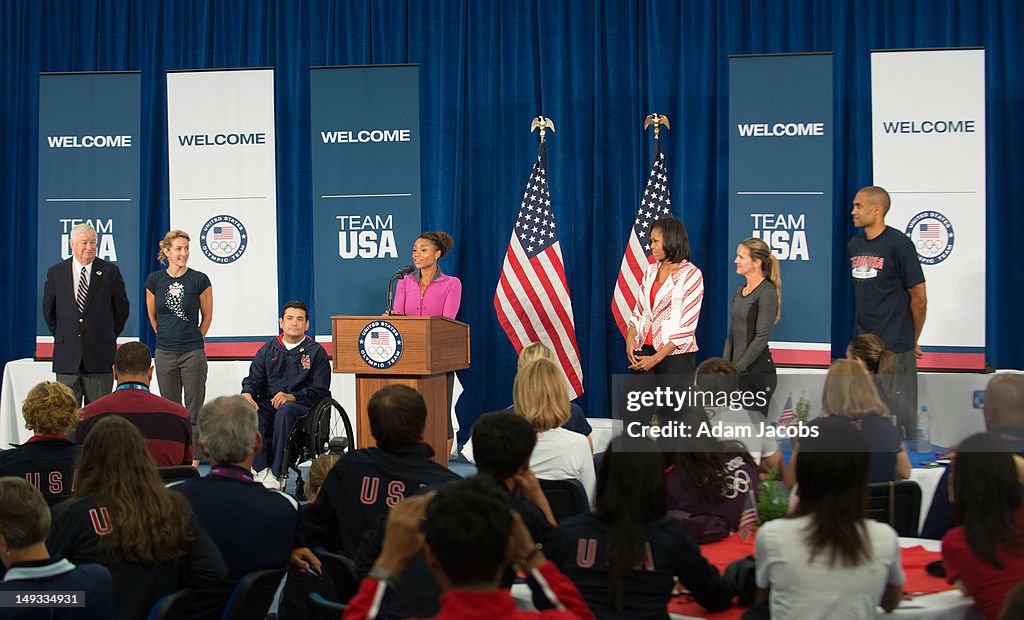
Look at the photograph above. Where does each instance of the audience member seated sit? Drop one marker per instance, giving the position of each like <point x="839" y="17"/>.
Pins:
<point x="505" y="441"/>
<point x="122" y="516"/>
<point x="365" y="483"/>
<point x="541" y="396"/>
<point x="164" y="424"/>
<point x="288" y="375"/>
<point x="24" y="523"/>
<point x="47" y="459"/>
<point x="709" y="480"/>
<point x="984" y="556"/>
<point x="869" y="351"/>
<point x="717" y="374"/>
<point x="851" y="399"/>
<point x="828" y="560"/>
<point x="577" y="421"/>
<point x="468" y="533"/>
<point x="318" y="470"/>
<point x="1013" y="609"/>
<point x="255" y="528"/>
<point x="1004" y="416"/>
<point x="625" y="556"/>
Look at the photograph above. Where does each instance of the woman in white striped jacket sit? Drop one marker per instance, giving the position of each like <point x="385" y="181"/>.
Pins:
<point x="661" y="337"/>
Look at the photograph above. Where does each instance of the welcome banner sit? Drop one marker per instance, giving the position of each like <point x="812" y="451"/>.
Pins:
<point x="928" y="138"/>
<point x="365" y="124"/>
<point x="780" y="188"/>
<point x="223" y="193"/>
<point x="89" y="172"/>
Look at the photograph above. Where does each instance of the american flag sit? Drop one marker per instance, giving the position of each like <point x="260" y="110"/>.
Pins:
<point x="929" y="231"/>
<point x="655" y="204"/>
<point x="378" y="338"/>
<point x="788" y="416"/>
<point x="532" y="298"/>
<point x="221" y="233"/>
<point x="748" y="518"/>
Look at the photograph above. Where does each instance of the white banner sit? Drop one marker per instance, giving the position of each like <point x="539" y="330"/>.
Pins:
<point x="223" y="192"/>
<point x="928" y="136"/>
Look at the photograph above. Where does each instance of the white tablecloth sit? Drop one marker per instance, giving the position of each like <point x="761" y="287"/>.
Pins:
<point x="224" y="377"/>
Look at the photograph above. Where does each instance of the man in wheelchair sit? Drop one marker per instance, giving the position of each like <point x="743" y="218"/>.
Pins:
<point x="288" y="375"/>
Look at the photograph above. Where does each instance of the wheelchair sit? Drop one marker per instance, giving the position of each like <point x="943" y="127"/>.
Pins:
<point x="324" y="430"/>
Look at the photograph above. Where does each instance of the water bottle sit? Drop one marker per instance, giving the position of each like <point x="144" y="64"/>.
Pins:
<point x="924" y="431"/>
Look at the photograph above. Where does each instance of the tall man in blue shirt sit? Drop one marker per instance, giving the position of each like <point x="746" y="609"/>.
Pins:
<point x="889" y="295"/>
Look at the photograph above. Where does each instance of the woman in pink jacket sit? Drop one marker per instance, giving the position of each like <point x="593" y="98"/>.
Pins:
<point x="661" y="335"/>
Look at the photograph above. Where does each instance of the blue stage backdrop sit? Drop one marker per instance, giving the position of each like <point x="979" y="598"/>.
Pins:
<point x="780" y="188"/>
<point x="365" y="124"/>
<point x="89" y="172"/>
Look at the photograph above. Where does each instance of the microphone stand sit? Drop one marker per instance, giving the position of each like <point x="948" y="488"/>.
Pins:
<point x="391" y="291"/>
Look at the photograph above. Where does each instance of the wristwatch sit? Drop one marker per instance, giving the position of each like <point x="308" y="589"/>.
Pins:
<point x="384" y="575"/>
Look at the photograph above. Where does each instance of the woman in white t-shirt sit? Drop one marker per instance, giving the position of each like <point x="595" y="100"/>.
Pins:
<point x="540" y="395"/>
<point x="828" y="560"/>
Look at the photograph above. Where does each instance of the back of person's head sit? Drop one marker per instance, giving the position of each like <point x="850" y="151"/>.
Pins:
<point x="50" y="408"/>
<point x="149" y="524"/>
<point x="699" y="460"/>
<point x="849" y="392"/>
<point x="1004" y="401"/>
<point x="398" y="415"/>
<point x="133" y="359"/>
<point x="318" y="471"/>
<point x="467" y="529"/>
<point x="24" y="515"/>
<point x="717" y="373"/>
<point x="228" y="426"/>
<point x="869" y="350"/>
<point x="502" y="442"/>
<point x="986" y="494"/>
<point x="630" y="495"/>
<point x="833" y="472"/>
<point x="1013" y="606"/>
<point x="539" y="394"/>
<point x="534" y="351"/>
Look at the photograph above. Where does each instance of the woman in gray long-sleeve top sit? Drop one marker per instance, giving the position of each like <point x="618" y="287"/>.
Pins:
<point x="756" y="307"/>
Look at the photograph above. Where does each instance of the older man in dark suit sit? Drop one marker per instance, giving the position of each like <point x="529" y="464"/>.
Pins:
<point x="85" y="307"/>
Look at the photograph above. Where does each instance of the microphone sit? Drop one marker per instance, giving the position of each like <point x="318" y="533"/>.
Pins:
<point x="401" y="273"/>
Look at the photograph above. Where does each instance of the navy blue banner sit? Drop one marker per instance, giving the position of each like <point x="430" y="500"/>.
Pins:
<point x="780" y="188"/>
<point x="89" y="171"/>
<point x="365" y="125"/>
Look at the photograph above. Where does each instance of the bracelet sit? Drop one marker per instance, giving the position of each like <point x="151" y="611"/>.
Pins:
<point x="521" y="564"/>
<point x="384" y="575"/>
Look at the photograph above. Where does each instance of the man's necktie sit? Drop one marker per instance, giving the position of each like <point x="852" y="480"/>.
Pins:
<point x="83" y="291"/>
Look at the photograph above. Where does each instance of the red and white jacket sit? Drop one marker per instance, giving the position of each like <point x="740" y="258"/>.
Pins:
<point x="676" y="308"/>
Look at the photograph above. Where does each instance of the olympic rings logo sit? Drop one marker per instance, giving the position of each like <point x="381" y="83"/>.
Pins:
<point x="931" y="245"/>
<point x="380" y="351"/>
<point x="372" y="348"/>
<point x="223" y="246"/>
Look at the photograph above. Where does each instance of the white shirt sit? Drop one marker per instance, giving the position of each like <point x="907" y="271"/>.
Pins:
<point x="805" y="589"/>
<point x="560" y="454"/>
<point x="76" y="273"/>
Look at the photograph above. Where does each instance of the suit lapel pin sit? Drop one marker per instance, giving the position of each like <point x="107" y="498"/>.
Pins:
<point x="99" y="273"/>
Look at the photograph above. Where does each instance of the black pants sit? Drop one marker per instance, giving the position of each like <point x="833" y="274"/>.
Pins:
<point x="678" y="364"/>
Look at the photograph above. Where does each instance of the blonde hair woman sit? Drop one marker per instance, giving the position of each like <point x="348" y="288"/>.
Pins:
<point x="47" y="459"/>
<point x="850" y="398"/>
<point x="577" y="420"/>
<point x="540" y="395"/>
<point x="179" y="302"/>
<point x="756" y="308"/>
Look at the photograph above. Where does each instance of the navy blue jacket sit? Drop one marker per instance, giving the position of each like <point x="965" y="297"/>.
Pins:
<point x="578" y="546"/>
<point x="47" y="462"/>
<point x="254" y="527"/>
<point x="360" y="489"/>
<point x="304" y="372"/>
<point x="58" y="575"/>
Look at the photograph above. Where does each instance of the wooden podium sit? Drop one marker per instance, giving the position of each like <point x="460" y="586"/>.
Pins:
<point x="431" y="347"/>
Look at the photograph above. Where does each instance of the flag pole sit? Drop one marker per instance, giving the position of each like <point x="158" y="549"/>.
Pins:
<point x="652" y="119"/>
<point x="543" y="124"/>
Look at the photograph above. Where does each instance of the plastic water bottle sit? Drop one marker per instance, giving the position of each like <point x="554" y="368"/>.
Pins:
<point x="924" y="431"/>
